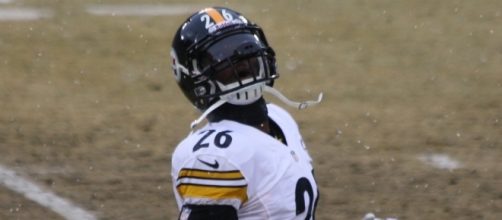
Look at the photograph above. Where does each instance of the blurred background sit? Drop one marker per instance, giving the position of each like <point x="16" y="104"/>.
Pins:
<point x="410" y="127"/>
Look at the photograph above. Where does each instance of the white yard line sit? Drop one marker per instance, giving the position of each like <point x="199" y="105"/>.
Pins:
<point x="5" y="1"/>
<point x="23" y="14"/>
<point x="440" y="161"/>
<point x="45" y="198"/>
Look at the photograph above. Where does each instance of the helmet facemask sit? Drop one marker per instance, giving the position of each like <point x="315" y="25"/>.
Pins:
<point x="242" y="82"/>
<point x="236" y="68"/>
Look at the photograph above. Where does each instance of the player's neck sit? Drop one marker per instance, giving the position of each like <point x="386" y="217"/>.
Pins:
<point x="264" y="126"/>
<point x="254" y="114"/>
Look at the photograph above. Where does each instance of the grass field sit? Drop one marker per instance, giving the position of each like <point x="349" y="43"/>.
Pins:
<point x="90" y="111"/>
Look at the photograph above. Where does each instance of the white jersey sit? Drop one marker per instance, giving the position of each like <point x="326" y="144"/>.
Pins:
<point x="229" y="163"/>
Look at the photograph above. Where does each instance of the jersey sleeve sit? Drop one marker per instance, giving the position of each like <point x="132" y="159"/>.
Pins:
<point x="210" y="180"/>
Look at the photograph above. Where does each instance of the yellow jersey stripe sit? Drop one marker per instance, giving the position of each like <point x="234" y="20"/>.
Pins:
<point x="213" y="192"/>
<point x="215" y="15"/>
<point x="206" y="174"/>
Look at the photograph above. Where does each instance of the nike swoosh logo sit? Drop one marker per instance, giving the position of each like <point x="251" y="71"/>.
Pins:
<point x="214" y="165"/>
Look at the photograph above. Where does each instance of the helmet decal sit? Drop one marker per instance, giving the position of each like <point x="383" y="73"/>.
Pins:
<point x="214" y="20"/>
<point x="215" y="16"/>
<point x="178" y="69"/>
<point x="217" y="27"/>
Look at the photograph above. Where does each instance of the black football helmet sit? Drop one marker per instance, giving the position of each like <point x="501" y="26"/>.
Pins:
<point x="218" y="54"/>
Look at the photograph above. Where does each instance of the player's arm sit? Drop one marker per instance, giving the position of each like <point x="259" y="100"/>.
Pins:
<point x="212" y="188"/>
<point x="208" y="212"/>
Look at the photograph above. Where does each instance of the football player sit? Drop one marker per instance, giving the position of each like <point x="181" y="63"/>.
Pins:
<point x="249" y="161"/>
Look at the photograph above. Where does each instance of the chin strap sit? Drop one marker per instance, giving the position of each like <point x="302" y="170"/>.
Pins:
<point x="208" y="110"/>
<point x="275" y="92"/>
<point x="298" y="105"/>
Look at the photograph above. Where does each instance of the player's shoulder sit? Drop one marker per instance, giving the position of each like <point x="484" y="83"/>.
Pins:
<point x="281" y="116"/>
<point x="225" y="139"/>
<point x="229" y="159"/>
<point x="221" y="134"/>
<point x="204" y="173"/>
<point x="277" y="110"/>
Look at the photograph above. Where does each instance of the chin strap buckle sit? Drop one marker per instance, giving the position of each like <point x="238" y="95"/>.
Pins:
<point x="298" y="105"/>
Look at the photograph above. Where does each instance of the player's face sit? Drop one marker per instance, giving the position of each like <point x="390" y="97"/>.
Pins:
<point x="233" y="59"/>
<point x="240" y="71"/>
